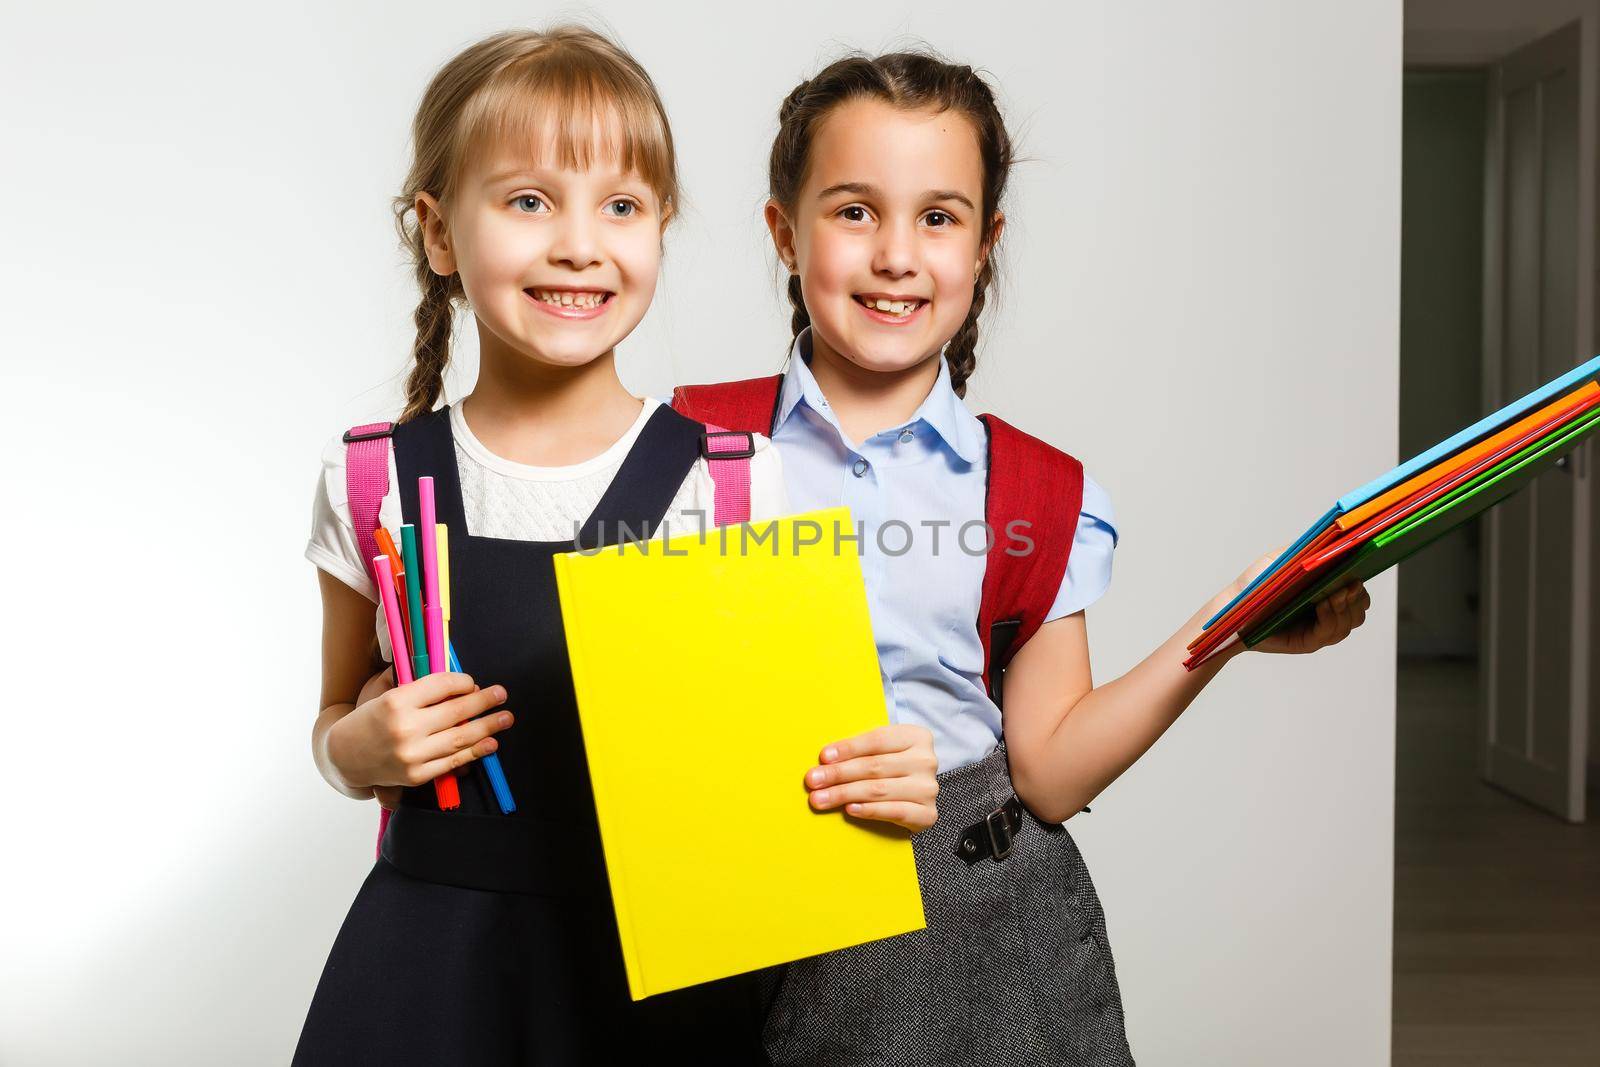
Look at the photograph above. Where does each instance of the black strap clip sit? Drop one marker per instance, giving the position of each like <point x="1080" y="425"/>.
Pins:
<point x="351" y="436"/>
<point x="746" y="452"/>
<point x="992" y="838"/>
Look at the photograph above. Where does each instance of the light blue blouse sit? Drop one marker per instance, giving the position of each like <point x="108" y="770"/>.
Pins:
<point x="911" y="488"/>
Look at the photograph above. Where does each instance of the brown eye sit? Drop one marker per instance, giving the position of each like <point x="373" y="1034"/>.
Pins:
<point x="939" y="218"/>
<point x="860" y="213"/>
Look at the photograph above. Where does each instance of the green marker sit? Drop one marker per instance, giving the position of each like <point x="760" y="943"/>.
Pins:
<point x="408" y="551"/>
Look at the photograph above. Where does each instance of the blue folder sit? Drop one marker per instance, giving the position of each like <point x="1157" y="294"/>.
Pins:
<point x="1476" y="432"/>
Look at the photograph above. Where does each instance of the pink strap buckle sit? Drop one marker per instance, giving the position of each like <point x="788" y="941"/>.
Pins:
<point x="727" y="454"/>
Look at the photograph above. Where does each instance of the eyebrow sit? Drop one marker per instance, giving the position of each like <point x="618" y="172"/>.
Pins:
<point x="507" y="175"/>
<point x="863" y="189"/>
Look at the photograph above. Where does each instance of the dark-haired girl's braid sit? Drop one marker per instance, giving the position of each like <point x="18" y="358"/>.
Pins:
<point x="801" y="318"/>
<point x="430" y="352"/>
<point x="961" y="352"/>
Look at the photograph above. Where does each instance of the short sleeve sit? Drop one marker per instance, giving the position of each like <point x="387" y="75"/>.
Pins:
<point x="1089" y="566"/>
<point x="768" y="496"/>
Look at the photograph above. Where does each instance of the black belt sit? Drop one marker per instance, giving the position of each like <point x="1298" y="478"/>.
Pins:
<point x="505" y="854"/>
<point x="991" y="838"/>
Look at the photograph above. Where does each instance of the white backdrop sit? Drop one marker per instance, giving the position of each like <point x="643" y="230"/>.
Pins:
<point x="201" y="285"/>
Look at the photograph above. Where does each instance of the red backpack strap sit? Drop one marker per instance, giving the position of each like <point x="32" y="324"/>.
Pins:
<point x="750" y="405"/>
<point x="1041" y="486"/>
<point x="727" y="454"/>
<point x="366" y="483"/>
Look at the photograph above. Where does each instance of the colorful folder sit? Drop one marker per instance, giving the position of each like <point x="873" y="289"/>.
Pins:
<point x="1374" y="527"/>
<point x="710" y="671"/>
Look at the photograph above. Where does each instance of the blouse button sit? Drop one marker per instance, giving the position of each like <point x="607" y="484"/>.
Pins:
<point x="860" y="467"/>
<point x="906" y="435"/>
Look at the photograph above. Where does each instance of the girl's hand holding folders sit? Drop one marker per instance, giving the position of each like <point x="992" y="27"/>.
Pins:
<point x="411" y="734"/>
<point x="887" y="774"/>
<point x="1337" y="614"/>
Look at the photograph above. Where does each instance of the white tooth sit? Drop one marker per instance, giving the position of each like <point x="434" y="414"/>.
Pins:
<point x="881" y="304"/>
<point x="566" y="299"/>
<point x="900" y="307"/>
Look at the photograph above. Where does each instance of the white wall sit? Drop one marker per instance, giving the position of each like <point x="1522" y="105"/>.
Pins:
<point x="202" y="286"/>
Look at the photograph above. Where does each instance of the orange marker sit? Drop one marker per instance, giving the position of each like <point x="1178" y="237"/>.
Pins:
<point x="398" y="566"/>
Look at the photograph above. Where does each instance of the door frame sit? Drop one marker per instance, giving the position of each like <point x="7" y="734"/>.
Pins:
<point x="1585" y="576"/>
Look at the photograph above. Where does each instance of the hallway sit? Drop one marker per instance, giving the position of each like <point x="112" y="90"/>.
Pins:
<point x="1497" y="904"/>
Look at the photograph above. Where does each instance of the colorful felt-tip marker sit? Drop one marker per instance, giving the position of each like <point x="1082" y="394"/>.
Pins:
<point x="391" y="616"/>
<point x="432" y="609"/>
<point x="491" y="763"/>
<point x="442" y="538"/>
<point x="444" y="786"/>
<point x="408" y="548"/>
<point x="445" y="790"/>
<point x="396" y="564"/>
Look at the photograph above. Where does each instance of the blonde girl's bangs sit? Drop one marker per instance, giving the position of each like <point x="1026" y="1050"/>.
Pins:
<point x="576" y="114"/>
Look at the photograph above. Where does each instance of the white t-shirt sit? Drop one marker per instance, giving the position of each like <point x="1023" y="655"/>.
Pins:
<point x="504" y="499"/>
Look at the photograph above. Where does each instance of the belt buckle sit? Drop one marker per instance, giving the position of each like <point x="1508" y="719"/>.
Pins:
<point x="992" y="821"/>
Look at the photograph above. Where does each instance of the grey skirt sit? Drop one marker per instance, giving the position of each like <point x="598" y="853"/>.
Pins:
<point x="1013" y="968"/>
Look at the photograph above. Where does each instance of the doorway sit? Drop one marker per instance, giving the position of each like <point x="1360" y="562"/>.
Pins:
<point x="1497" y="886"/>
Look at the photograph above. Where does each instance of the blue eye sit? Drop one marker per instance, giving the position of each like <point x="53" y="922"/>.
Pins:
<point x="629" y="208"/>
<point x="523" y="203"/>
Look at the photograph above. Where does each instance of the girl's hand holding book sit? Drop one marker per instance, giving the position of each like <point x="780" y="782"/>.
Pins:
<point x="411" y="734"/>
<point x="887" y="774"/>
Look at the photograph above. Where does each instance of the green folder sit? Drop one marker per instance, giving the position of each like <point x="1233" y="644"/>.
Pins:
<point x="1435" y="520"/>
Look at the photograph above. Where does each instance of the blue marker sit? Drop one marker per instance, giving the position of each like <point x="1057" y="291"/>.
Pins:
<point x="491" y="762"/>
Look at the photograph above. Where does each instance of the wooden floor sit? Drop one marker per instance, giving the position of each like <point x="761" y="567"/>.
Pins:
<point x="1497" y="904"/>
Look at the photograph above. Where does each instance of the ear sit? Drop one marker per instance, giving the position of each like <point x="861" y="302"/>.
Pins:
<point x="996" y="227"/>
<point x="782" y="231"/>
<point x="435" y="235"/>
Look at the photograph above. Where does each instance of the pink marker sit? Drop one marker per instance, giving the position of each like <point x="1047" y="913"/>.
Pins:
<point x="432" y="610"/>
<point x="391" y="616"/>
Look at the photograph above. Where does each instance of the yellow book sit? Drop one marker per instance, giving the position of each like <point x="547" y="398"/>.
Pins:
<point x="710" y="671"/>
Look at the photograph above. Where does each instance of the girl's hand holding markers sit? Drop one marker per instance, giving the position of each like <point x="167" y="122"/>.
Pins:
<point x="411" y="734"/>
<point x="886" y="774"/>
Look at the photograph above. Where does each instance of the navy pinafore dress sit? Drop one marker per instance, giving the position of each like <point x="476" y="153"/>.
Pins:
<point x="490" y="939"/>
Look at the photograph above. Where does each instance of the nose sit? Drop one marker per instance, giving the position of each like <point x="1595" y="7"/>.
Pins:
<point x="896" y="253"/>
<point x="575" y="242"/>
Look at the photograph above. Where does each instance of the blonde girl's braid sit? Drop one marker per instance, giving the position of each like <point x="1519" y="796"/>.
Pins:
<point x="435" y="321"/>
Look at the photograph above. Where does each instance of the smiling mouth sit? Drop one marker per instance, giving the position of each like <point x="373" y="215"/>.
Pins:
<point x="900" y="308"/>
<point x="578" y="299"/>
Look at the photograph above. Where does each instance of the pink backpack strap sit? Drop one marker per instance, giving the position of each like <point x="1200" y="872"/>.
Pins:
<point x="727" y="454"/>
<point x="366" y="483"/>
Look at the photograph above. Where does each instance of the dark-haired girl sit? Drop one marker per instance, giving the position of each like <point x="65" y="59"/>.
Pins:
<point x="886" y="182"/>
